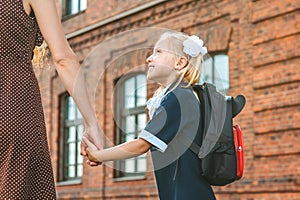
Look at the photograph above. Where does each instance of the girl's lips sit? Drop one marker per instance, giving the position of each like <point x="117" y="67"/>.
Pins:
<point x="150" y="67"/>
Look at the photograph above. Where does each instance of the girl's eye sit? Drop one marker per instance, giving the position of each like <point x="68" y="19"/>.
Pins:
<point x="157" y="51"/>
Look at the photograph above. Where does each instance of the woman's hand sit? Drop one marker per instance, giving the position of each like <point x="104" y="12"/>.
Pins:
<point x="92" y="133"/>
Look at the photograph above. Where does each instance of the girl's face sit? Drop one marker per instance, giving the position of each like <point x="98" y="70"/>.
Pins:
<point x="161" y="65"/>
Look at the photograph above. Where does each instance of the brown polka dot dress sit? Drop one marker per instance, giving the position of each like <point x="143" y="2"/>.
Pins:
<point x="25" y="166"/>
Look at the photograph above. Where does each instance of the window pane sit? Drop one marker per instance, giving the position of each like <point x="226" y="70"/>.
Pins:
<point x="78" y="114"/>
<point x="129" y="93"/>
<point x="142" y="121"/>
<point x="141" y="90"/>
<point x="130" y="124"/>
<point x="72" y="134"/>
<point x="141" y="164"/>
<point x="129" y="137"/>
<point x="79" y="170"/>
<point x="80" y="130"/>
<point x="206" y="71"/>
<point x="129" y="165"/>
<point x="221" y="71"/>
<point x="79" y="157"/>
<point x="71" y="171"/>
<point x="83" y="5"/>
<point x="74" y="6"/>
<point x="72" y="153"/>
<point x="71" y="109"/>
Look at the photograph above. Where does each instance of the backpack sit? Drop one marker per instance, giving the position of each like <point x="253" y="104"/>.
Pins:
<point x="221" y="151"/>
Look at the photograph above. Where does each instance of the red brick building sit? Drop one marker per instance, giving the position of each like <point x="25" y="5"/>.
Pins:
<point x="259" y="41"/>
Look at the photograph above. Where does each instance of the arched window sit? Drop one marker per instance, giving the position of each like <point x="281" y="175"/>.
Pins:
<point x="130" y="116"/>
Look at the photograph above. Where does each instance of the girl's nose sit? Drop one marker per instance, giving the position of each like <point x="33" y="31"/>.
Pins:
<point x="149" y="59"/>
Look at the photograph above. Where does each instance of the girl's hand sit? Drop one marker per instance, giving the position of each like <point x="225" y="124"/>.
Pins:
<point x="92" y="152"/>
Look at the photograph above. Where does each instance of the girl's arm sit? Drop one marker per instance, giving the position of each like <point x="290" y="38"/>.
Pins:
<point x="123" y="151"/>
<point x="67" y="64"/>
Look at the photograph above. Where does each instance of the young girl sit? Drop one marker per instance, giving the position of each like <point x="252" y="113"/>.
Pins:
<point x="174" y="121"/>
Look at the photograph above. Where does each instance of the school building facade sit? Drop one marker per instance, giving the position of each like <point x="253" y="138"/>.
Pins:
<point x="253" y="43"/>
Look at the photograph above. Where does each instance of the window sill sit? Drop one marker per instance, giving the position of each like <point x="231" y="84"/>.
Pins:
<point x="70" y="182"/>
<point x="130" y="178"/>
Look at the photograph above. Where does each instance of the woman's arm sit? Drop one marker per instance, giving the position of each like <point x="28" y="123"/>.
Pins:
<point x="123" y="151"/>
<point x="67" y="64"/>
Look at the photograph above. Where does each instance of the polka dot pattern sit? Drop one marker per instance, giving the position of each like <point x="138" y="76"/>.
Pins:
<point x="25" y="165"/>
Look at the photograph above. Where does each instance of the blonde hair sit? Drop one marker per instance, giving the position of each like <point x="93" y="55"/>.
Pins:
<point x="191" y="72"/>
<point x="41" y="56"/>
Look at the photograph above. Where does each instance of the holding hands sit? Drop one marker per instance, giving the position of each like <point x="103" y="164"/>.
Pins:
<point x="91" y="150"/>
<point x="122" y="151"/>
<point x="91" y="139"/>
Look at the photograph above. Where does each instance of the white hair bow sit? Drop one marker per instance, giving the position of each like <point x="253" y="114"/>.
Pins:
<point x="193" y="46"/>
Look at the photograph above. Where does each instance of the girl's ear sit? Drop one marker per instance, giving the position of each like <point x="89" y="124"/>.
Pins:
<point x="181" y="63"/>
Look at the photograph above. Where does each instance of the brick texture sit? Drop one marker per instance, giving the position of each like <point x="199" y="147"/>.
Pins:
<point x="262" y="42"/>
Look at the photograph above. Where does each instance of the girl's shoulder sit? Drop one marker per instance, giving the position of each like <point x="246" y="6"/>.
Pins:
<point x="182" y="96"/>
<point x="184" y="92"/>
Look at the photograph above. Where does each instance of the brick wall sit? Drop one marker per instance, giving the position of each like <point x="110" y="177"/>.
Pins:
<point x="262" y="41"/>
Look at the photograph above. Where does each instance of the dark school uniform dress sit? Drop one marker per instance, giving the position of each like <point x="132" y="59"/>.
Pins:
<point x="175" y="124"/>
<point x="25" y="165"/>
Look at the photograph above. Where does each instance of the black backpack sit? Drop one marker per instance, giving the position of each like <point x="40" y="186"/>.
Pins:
<point x="221" y="152"/>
